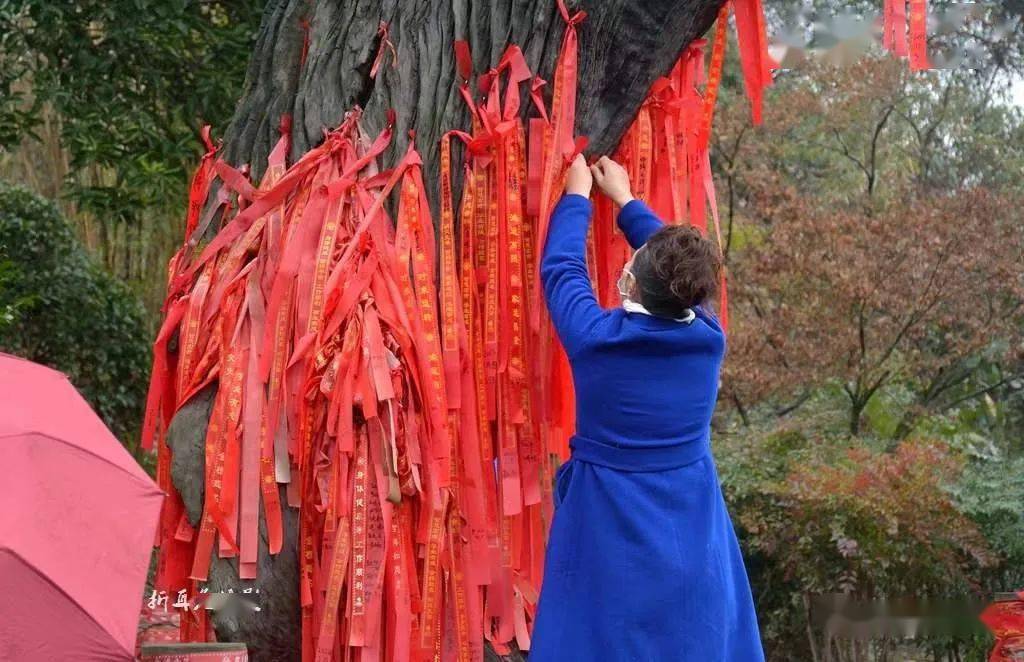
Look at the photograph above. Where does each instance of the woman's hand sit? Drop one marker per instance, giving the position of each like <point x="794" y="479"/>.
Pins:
<point x="613" y="180"/>
<point x="579" y="179"/>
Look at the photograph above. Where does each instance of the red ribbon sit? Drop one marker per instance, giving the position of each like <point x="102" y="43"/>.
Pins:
<point x="919" y="35"/>
<point x="754" y="57"/>
<point x="385" y="45"/>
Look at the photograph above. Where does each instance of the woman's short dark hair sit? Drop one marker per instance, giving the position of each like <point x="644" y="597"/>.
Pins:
<point x="676" y="269"/>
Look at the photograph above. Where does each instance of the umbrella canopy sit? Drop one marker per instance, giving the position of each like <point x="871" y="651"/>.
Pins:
<point x="77" y="520"/>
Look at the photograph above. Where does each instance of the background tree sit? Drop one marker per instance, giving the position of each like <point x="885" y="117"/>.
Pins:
<point x="874" y="239"/>
<point x="101" y="104"/>
<point x="59" y="308"/>
<point x="902" y="295"/>
<point x="884" y="223"/>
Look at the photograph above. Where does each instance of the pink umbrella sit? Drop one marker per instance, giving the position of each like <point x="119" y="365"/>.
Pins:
<point x="77" y="520"/>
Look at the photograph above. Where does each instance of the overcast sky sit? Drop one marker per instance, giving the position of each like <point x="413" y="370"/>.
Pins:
<point x="1018" y="91"/>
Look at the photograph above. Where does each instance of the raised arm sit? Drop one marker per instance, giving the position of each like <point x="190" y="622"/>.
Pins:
<point x="638" y="223"/>
<point x="563" y="269"/>
<point x="636" y="219"/>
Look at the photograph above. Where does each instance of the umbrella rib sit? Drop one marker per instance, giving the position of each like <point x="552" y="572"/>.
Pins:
<point x="153" y="489"/>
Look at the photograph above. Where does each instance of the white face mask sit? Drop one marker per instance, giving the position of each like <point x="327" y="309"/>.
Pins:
<point x="627" y="281"/>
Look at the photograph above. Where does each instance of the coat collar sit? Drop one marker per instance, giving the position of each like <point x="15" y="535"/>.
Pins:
<point x="634" y="307"/>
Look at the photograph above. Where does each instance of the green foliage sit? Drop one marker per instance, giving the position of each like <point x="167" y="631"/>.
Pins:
<point x="59" y="308"/>
<point x="818" y="515"/>
<point x="817" y="510"/>
<point x="991" y="493"/>
<point x="123" y="88"/>
<point x="132" y="82"/>
<point x="11" y="305"/>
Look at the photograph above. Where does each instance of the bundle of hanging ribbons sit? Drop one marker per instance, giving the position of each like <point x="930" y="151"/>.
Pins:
<point x="897" y="24"/>
<point x="407" y="397"/>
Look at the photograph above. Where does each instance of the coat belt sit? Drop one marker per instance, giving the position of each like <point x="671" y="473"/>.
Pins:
<point x="639" y="458"/>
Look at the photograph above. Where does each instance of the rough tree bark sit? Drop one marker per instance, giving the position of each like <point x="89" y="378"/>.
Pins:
<point x="624" y="46"/>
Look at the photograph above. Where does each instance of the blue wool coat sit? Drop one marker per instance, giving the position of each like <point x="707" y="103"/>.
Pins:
<point x="642" y="561"/>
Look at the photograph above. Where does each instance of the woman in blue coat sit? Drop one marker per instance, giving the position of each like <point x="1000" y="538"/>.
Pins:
<point x="642" y="561"/>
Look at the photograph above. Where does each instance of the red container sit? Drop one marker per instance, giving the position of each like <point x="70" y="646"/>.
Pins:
<point x="219" y="652"/>
<point x="1005" y="619"/>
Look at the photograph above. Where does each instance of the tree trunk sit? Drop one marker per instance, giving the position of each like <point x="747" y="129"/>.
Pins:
<point x="624" y="46"/>
<point x="857" y="406"/>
